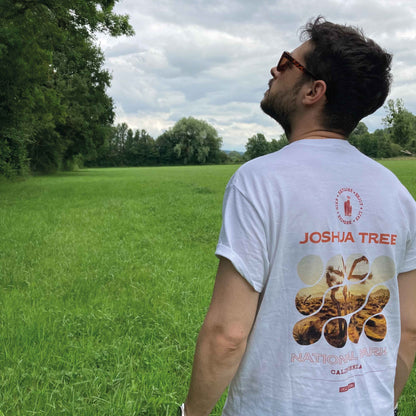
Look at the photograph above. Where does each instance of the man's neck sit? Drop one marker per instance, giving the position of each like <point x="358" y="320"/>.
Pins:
<point x="306" y="125"/>
<point x="315" y="134"/>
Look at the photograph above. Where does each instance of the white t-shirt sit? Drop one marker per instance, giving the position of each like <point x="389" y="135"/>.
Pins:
<point x="321" y="231"/>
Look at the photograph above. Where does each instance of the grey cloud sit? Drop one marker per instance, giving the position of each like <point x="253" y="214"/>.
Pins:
<point x="123" y="49"/>
<point x="212" y="59"/>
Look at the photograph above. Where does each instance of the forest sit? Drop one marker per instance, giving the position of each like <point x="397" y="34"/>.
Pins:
<point x="55" y="113"/>
<point x="54" y="109"/>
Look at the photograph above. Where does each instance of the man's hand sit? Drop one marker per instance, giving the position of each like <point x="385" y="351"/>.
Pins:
<point x="222" y="339"/>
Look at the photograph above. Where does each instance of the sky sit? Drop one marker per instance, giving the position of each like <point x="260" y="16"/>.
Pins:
<point x="211" y="60"/>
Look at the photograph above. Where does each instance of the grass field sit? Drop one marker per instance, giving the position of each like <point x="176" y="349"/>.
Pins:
<point x="105" y="277"/>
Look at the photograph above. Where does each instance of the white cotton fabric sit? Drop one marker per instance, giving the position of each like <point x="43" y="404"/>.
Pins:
<point x="321" y="231"/>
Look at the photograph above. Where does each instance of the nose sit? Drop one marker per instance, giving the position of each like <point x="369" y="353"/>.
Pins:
<point x="274" y="72"/>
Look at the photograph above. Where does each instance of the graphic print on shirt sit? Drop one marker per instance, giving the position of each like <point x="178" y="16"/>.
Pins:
<point x="349" y="206"/>
<point x="342" y="300"/>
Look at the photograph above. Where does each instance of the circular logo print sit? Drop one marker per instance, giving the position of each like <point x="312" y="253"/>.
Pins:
<point x="349" y="206"/>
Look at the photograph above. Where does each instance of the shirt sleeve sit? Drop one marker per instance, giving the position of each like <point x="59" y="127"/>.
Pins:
<point x="409" y="262"/>
<point x="243" y="239"/>
<point x="410" y="258"/>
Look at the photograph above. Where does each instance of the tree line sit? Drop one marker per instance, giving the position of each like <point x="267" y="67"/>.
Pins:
<point x="397" y="138"/>
<point x="189" y="141"/>
<point x="192" y="141"/>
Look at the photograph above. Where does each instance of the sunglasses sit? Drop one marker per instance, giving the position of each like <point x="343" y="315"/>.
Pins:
<point x="287" y="59"/>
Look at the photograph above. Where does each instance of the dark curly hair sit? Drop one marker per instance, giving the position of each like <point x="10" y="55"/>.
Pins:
<point x="356" y="71"/>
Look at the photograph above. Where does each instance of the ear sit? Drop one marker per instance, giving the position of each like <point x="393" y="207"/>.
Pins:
<point x="314" y="92"/>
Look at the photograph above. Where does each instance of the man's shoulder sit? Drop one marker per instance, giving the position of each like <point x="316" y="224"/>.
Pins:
<point x="264" y="163"/>
<point x="381" y="171"/>
<point x="262" y="174"/>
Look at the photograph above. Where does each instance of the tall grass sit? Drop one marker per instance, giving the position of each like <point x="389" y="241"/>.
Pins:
<point x="105" y="278"/>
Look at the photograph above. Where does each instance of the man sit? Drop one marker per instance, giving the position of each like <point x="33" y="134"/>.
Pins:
<point x="318" y="243"/>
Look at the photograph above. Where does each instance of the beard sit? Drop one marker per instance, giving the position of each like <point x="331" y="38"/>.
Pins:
<point x="281" y="106"/>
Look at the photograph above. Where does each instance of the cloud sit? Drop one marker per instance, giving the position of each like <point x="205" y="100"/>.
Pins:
<point x="211" y="60"/>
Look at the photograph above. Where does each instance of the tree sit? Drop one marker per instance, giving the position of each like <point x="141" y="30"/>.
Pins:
<point x="384" y="145"/>
<point x="130" y="149"/>
<point x="401" y="123"/>
<point x="374" y="145"/>
<point x="27" y="104"/>
<point x="256" y="146"/>
<point x="147" y="153"/>
<point x="118" y="144"/>
<point x="276" y="145"/>
<point x="89" y="111"/>
<point x="235" y="157"/>
<point x="112" y="151"/>
<point x="165" y="144"/>
<point x="190" y="141"/>
<point x="359" y="135"/>
<point x="411" y="146"/>
<point x="53" y="104"/>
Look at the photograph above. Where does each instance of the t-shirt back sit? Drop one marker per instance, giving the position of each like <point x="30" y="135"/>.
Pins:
<point x="321" y="231"/>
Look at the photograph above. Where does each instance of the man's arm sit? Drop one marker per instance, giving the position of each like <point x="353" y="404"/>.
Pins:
<point x="222" y="339"/>
<point x="407" y="348"/>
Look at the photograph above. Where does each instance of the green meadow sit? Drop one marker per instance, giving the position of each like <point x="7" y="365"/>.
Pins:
<point x="105" y="278"/>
